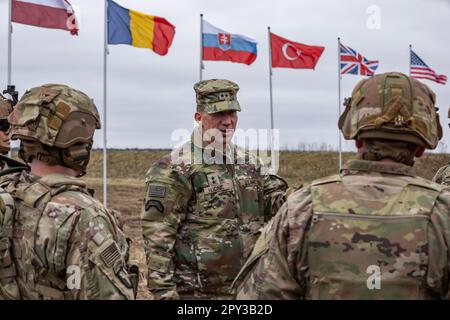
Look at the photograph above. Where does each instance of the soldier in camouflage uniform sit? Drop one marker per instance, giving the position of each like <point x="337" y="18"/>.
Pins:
<point x="204" y="207"/>
<point x="5" y="110"/>
<point x="377" y="230"/>
<point x="442" y="176"/>
<point x="58" y="242"/>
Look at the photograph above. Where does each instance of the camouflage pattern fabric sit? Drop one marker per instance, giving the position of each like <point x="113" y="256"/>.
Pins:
<point x="392" y="106"/>
<point x="376" y="232"/>
<point x="442" y="176"/>
<point x="217" y="95"/>
<point x="5" y="107"/>
<point x="48" y="108"/>
<point x="66" y="245"/>
<point x="200" y="221"/>
<point x="5" y="110"/>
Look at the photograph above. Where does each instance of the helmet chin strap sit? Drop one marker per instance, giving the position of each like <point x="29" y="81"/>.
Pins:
<point x="75" y="157"/>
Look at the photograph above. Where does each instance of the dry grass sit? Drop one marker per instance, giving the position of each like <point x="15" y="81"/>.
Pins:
<point x="126" y="184"/>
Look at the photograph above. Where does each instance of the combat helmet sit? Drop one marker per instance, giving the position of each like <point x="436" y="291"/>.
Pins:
<point x="392" y="106"/>
<point x="5" y="109"/>
<point x="56" y="125"/>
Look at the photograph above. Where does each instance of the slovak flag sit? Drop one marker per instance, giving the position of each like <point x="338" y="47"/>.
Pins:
<point x="220" y="45"/>
<point x="54" y="14"/>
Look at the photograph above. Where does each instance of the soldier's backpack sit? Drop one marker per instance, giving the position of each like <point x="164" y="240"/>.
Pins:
<point x="9" y="288"/>
<point x="363" y="245"/>
<point x="48" y="284"/>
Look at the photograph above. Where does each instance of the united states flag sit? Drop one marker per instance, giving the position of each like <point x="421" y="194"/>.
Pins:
<point x="352" y="62"/>
<point x="420" y="70"/>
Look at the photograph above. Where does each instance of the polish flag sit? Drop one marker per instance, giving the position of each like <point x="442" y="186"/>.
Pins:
<point x="54" y="14"/>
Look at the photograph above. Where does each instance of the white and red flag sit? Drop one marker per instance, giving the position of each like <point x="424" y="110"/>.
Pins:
<point x="54" y="14"/>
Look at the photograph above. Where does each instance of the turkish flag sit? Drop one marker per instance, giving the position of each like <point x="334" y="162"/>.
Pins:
<point x="290" y="54"/>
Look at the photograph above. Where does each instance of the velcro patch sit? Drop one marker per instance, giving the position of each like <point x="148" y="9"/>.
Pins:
<point x="154" y="203"/>
<point x="110" y="255"/>
<point x="157" y="191"/>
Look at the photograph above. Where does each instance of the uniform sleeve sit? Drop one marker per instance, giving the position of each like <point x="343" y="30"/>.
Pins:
<point x="438" y="275"/>
<point x="274" y="194"/>
<point x="165" y="207"/>
<point x="276" y="269"/>
<point x="95" y="264"/>
<point x="443" y="176"/>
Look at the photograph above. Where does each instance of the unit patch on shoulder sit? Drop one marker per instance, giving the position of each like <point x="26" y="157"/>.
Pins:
<point x="154" y="203"/>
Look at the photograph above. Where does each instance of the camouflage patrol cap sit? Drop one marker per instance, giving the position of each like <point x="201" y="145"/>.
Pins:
<point x="5" y="108"/>
<point x="217" y="95"/>
<point x="392" y="106"/>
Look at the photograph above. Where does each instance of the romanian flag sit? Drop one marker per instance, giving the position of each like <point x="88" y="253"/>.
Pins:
<point x="130" y="27"/>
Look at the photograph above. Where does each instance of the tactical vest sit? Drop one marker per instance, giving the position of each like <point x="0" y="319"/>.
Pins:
<point x="24" y="269"/>
<point x="363" y="247"/>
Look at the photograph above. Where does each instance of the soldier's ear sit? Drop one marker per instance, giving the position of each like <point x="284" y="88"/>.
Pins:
<point x="359" y="144"/>
<point x="198" y="116"/>
<point x="420" y="152"/>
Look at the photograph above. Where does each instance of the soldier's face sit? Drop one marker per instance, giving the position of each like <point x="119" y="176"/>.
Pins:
<point x="4" y="141"/>
<point x="222" y="122"/>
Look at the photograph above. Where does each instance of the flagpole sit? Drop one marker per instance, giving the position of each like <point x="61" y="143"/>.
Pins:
<point x="410" y="49"/>
<point x="105" y="100"/>
<point x="339" y="101"/>
<point x="201" y="46"/>
<point x="9" y="72"/>
<point x="272" y="151"/>
<point x="9" y="55"/>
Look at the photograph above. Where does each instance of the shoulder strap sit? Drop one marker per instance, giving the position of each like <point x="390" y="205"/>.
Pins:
<point x="12" y="163"/>
<point x="50" y="186"/>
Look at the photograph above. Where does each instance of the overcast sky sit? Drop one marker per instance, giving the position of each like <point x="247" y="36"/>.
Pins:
<point x="150" y="95"/>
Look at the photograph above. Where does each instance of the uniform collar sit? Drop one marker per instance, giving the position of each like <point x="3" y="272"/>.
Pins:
<point x="201" y="151"/>
<point x="378" y="166"/>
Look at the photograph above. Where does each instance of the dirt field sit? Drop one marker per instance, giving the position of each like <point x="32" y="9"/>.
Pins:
<point x="126" y="184"/>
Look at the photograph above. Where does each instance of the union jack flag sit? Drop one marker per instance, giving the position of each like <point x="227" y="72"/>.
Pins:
<point x="352" y="62"/>
<point x="421" y="70"/>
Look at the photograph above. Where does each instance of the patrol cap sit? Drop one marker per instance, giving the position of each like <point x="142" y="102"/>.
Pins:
<point x="217" y="95"/>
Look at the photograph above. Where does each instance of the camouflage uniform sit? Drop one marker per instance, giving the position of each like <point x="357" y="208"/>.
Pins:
<point x="5" y="110"/>
<point x="201" y="220"/>
<point x="442" y="176"/>
<point x="58" y="242"/>
<point x="376" y="231"/>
